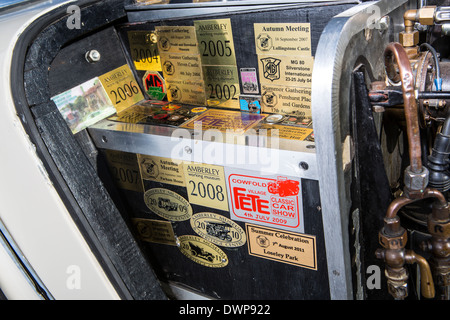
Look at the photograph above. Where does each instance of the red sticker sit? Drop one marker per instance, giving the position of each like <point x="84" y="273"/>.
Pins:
<point x="264" y="200"/>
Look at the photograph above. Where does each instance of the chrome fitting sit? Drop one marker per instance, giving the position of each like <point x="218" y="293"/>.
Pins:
<point x="416" y="181"/>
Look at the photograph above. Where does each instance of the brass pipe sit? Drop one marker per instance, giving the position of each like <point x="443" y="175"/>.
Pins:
<point x="409" y="18"/>
<point x="426" y="279"/>
<point x="411" y="111"/>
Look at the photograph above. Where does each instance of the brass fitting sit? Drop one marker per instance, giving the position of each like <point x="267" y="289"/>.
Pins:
<point x="409" y="39"/>
<point x="439" y="244"/>
<point x="397" y="275"/>
<point x="425" y="16"/>
<point x="392" y="236"/>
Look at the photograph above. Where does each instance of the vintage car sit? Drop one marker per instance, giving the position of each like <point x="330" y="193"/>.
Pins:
<point x="337" y="110"/>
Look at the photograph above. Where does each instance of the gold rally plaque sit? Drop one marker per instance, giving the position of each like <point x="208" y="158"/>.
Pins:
<point x="160" y="169"/>
<point x="177" y="39"/>
<point x="286" y="70"/>
<point x="186" y="91"/>
<point x="222" y="86"/>
<point x="218" y="229"/>
<point x="206" y="185"/>
<point x="125" y="170"/>
<point x="285" y="247"/>
<point x="121" y="87"/>
<point x="285" y="67"/>
<point x="215" y="41"/>
<point x="181" y="66"/>
<point x="224" y="120"/>
<point x="283" y="38"/>
<point x="168" y="204"/>
<point x="288" y="132"/>
<point x="144" y="50"/>
<point x="202" y="251"/>
<point x="286" y="100"/>
<point x="156" y="231"/>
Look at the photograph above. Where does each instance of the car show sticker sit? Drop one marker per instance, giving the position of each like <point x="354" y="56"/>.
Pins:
<point x="274" y="202"/>
<point x="202" y="251"/>
<point x="249" y="80"/>
<point x="168" y="204"/>
<point x="286" y="247"/>
<point x="218" y="229"/>
<point x="156" y="231"/>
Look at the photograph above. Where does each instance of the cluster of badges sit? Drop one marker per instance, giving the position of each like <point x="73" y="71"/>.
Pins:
<point x="198" y="197"/>
<point x="155" y="112"/>
<point x="213" y="230"/>
<point x="195" y="69"/>
<point x="197" y="65"/>
<point x="205" y="186"/>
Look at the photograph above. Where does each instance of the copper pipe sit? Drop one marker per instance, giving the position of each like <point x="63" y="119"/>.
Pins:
<point x="433" y="193"/>
<point x="411" y="111"/>
<point x="426" y="279"/>
<point x="398" y="203"/>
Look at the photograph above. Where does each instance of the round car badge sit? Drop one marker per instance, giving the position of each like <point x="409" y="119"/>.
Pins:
<point x="171" y="107"/>
<point x="198" y="109"/>
<point x="175" y="117"/>
<point x="160" y="116"/>
<point x="274" y="118"/>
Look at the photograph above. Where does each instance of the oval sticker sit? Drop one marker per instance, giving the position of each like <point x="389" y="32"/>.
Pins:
<point x="203" y="252"/>
<point x="218" y="229"/>
<point x="168" y="204"/>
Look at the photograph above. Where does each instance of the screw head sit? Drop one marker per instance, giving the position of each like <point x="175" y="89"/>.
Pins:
<point x="92" y="56"/>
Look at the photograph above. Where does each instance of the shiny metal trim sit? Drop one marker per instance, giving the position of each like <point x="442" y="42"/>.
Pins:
<point x="247" y="153"/>
<point x="22" y="264"/>
<point x="330" y="64"/>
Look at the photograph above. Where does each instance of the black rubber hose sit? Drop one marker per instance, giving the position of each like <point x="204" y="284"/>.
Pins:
<point x="438" y="82"/>
<point x="438" y="161"/>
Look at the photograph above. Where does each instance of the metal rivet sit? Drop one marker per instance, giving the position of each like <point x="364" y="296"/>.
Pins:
<point x="92" y="56"/>
<point x="303" y="165"/>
